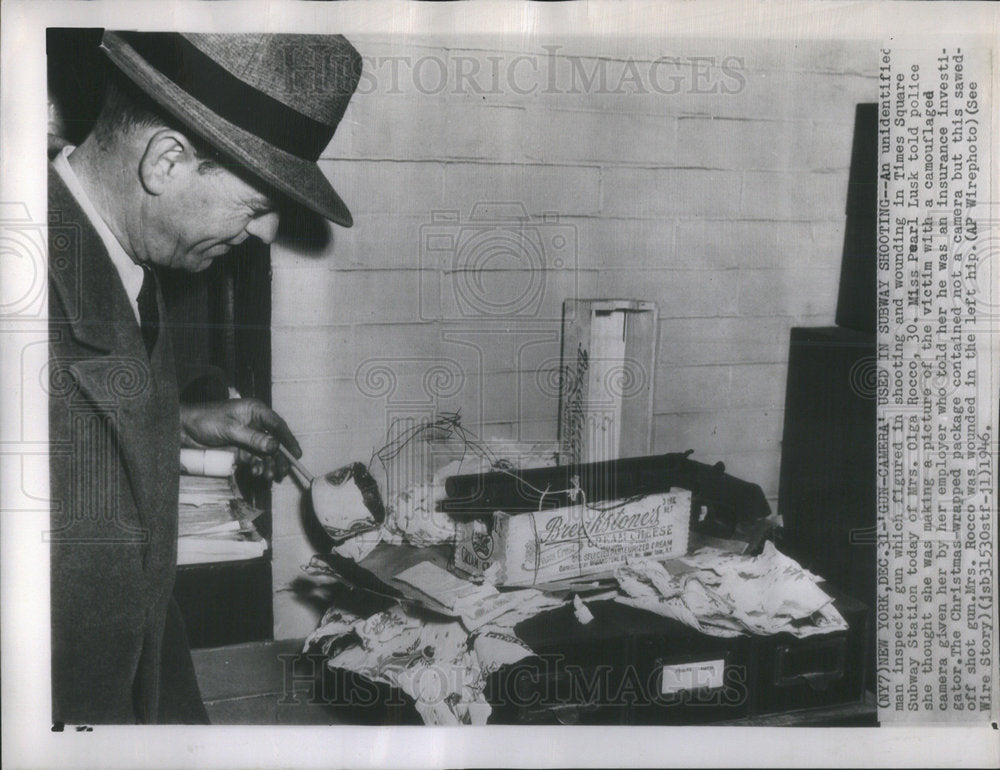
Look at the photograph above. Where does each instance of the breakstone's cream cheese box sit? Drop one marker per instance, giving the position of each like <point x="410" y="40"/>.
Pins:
<point x="473" y="547"/>
<point x="578" y="540"/>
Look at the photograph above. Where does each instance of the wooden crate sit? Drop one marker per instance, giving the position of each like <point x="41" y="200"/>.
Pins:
<point x="608" y="368"/>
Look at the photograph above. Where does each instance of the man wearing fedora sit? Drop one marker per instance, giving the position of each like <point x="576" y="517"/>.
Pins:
<point x="202" y="141"/>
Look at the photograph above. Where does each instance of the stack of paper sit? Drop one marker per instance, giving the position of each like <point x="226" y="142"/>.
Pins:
<point x="214" y="522"/>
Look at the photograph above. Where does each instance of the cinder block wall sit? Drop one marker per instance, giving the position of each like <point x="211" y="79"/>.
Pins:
<point x="722" y="200"/>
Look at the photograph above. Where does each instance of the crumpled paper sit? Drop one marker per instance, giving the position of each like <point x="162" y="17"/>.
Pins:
<point x="727" y="594"/>
<point x="411" y="514"/>
<point x="431" y="661"/>
<point x="335" y="625"/>
<point x="438" y="663"/>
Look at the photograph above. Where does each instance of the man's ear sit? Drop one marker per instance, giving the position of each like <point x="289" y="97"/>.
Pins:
<point x="168" y="155"/>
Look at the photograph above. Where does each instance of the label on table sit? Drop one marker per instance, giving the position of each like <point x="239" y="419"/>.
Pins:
<point x="698" y="675"/>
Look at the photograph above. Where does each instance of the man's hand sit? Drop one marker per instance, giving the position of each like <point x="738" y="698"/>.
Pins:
<point x="246" y="423"/>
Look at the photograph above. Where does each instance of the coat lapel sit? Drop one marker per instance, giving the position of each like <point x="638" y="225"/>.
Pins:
<point x="96" y="309"/>
<point x="102" y="351"/>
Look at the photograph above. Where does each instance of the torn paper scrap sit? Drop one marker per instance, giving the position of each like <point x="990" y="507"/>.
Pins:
<point x="508" y="608"/>
<point x="442" y="586"/>
<point x="497" y="646"/>
<point x="582" y="612"/>
<point x="520" y="605"/>
<point x="358" y="547"/>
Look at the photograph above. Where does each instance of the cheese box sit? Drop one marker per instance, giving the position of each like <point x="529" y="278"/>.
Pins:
<point x="580" y="540"/>
<point x="473" y="547"/>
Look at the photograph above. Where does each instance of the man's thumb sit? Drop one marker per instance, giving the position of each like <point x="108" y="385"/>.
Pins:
<point x="254" y="440"/>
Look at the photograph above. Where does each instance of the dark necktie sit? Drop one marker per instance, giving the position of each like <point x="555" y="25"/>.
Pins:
<point x="149" y="315"/>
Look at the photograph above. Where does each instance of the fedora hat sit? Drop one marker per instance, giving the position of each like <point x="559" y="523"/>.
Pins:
<point x="270" y="103"/>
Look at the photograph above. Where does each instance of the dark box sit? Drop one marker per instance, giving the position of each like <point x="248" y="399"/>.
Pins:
<point x="823" y="670"/>
<point x="632" y="667"/>
<point x="226" y="602"/>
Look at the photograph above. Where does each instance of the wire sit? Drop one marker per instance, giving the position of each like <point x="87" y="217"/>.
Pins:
<point x="448" y="425"/>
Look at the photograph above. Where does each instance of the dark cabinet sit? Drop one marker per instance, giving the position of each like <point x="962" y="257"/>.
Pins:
<point x="827" y="483"/>
<point x="220" y="327"/>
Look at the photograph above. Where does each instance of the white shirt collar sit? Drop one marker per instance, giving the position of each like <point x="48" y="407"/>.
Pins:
<point x="131" y="274"/>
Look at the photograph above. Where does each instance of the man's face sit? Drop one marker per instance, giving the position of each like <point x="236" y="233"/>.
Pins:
<point x="203" y="216"/>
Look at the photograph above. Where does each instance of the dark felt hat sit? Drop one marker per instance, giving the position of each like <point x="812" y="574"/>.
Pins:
<point x="271" y="103"/>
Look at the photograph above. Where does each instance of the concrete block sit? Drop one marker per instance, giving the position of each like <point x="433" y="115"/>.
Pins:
<point x="758" y="385"/>
<point x="607" y="137"/>
<point x="608" y="243"/>
<point x="290" y="505"/>
<point x="833" y="57"/>
<point x="406" y="347"/>
<point x="541" y="189"/>
<point x="714" y="433"/>
<point x="780" y="95"/>
<point x="691" y="388"/>
<point x="795" y="196"/>
<point x="311" y="352"/>
<point x="329" y="405"/>
<point x="729" y="243"/>
<point x="648" y="192"/>
<point x="504" y="345"/>
<point x="291" y="553"/>
<point x="727" y="143"/>
<point x="375" y="242"/>
<point x="516" y="297"/>
<point x="831" y="144"/>
<point x="677" y="293"/>
<point x="324" y="297"/>
<point x="530" y="431"/>
<point x="406" y="128"/>
<point x="828" y="241"/>
<point x="791" y="292"/>
<point x="293" y="619"/>
<point x="737" y="340"/>
<point x="324" y="451"/>
<point x="485" y="398"/>
<point x="617" y="74"/>
<point x="386" y="187"/>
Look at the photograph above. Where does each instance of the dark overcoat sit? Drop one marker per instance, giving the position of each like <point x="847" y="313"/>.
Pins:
<point x="119" y="653"/>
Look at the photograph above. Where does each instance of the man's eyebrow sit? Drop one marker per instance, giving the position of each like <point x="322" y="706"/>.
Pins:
<point x="261" y="202"/>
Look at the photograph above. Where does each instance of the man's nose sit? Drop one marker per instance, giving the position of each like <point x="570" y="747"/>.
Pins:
<point x="264" y="227"/>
